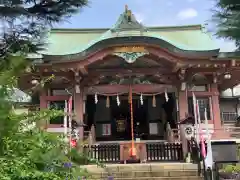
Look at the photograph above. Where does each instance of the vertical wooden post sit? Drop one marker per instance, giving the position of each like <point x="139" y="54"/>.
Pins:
<point x="78" y="109"/>
<point x="43" y="101"/>
<point x="215" y="107"/>
<point x="183" y="104"/>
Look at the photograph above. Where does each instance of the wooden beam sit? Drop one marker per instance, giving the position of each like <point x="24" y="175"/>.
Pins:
<point x="178" y="66"/>
<point x="83" y="70"/>
<point x="129" y="71"/>
<point x="229" y="84"/>
<point x="161" y="53"/>
<point x="124" y="89"/>
<point x="204" y="70"/>
<point x="59" y="86"/>
<point x="57" y="98"/>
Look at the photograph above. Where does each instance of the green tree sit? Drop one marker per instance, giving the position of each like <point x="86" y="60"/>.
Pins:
<point x="30" y="153"/>
<point x="227" y="19"/>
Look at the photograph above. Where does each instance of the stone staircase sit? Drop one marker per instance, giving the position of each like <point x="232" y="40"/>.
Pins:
<point x="153" y="171"/>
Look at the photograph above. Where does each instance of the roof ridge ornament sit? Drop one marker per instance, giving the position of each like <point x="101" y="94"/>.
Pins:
<point x="128" y="13"/>
<point x="127" y="21"/>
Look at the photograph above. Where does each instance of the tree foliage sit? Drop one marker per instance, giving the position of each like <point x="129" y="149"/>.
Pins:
<point x="227" y="19"/>
<point x="30" y="153"/>
<point x="25" y="20"/>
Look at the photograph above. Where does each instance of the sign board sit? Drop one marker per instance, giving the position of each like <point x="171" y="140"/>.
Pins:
<point x="190" y="130"/>
<point x="129" y="49"/>
<point x="224" y="151"/>
<point x="106" y="129"/>
<point x="153" y="128"/>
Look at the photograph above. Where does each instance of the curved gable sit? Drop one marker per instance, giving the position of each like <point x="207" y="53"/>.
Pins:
<point x="62" y="42"/>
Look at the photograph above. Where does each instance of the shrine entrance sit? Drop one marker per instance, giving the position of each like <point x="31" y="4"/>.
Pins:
<point x="150" y="116"/>
<point x="122" y="119"/>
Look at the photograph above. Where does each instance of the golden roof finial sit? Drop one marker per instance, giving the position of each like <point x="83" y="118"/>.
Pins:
<point x="126" y="7"/>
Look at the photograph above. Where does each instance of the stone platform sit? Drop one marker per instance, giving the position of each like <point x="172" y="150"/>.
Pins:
<point x="153" y="171"/>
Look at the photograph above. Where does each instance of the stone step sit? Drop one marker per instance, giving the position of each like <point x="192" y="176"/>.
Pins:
<point x="145" y="171"/>
<point x="166" y="173"/>
<point x="111" y="168"/>
<point x="157" y="178"/>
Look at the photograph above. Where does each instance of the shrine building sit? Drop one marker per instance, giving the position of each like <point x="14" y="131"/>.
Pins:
<point x="162" y="66"/>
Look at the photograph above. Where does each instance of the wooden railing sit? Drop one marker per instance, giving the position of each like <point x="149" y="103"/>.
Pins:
<point x="228" y="117"/>
<point x="164" y="152"/>
<point x="107" y="153"/>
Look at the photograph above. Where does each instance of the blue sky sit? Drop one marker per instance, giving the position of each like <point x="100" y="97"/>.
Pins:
<point x="104" y="13"/>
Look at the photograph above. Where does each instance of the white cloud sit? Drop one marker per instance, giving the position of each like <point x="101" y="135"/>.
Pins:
<point x="191" y="1"/>
<point x="187" y="14"/>
<point x="225" y="45"/>
<point x="140" y="17"/>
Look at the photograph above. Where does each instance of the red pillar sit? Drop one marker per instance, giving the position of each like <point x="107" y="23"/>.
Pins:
<point x="215" y="107"/>
<point x="219" y="132"/>
<point x="78" y="109"/>
<point x="183" y="104"/>
<point x="43" y="101"/>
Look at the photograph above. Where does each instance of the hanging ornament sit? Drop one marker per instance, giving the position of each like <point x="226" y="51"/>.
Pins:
<point x="73" y="143"/>
<point x="96" y="98"/>
<point x="118" y="101"/>
<point x="107" y="102"/>
<point x="166" y="96"/>
<point x="141" y="99"/>
<point x="154" y="101"/>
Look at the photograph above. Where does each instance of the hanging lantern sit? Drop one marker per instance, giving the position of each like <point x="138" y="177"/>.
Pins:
<point x="166" y="96"/>
<point x="141" y="99"/>
<point x="227" y="75"/>
<point x="154" y="101"/>
<point x="107" y="102"/>
<point x="96" y="98"/>
<point x="118" y="101"/>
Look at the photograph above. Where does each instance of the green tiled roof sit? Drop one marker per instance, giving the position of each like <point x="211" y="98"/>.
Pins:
<point x="73" y="41"/>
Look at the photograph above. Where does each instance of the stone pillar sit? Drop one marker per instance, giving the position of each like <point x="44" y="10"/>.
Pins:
<point x="78" y="110"/>
<point x="183" y="104"/>
<point x="215" y="107"/>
